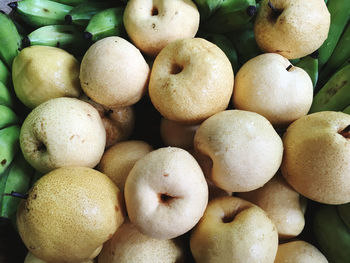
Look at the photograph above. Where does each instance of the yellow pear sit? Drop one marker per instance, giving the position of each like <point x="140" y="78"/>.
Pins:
<point x="299" y="252"/>
<point x="69" y="214"/>
<point x="41" y="73"/>
<point x="128" y="245"/>
<point x="292" y="28"/>
<point x="234" y="230"/>
<point x="317" y="156"/>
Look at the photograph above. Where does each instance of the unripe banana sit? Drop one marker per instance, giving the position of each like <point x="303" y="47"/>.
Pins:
<point x="5" y="75"/>
<point x="347" y="110"/>
<point x="71" y="2"/>
<point x="108" y="22"/>
<point x="6" y="98"/>
<point x="81" y="14"/>
<point x="62" y="36"/>
<point x="340" y="54"/>
<point x="17" y="179"/>
<point x="245" y="43"/>
<point x="331" y="234"/>
<point x="7" y="117"/>
<point x="207" y="7"/>
<point x="340" y="14"/>
<point x="9" y="145"/>
<point x="335" y="94"/>
<point x="39" y="13"/>
<point x="10" y="40"/>
<point x="310" y="65"/>
<point x="231" y="15"/>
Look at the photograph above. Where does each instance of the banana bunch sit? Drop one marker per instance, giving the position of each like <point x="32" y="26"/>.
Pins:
<point x="69" y="24"/>
<point x="15" y="172"/>
<point x="9" y="129"/>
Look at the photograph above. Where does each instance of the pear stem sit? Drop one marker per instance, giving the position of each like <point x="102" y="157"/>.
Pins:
<point x="16" y="194"/>
<point x="274" y="9"/>
<point x="345" y="132"/>
<point x="276" y="12"/>
<point x="289" y="67"/>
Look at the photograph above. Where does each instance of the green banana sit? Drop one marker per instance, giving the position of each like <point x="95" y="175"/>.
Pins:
<point x="207" y="7"/>
<point x="7" y="117"/>
<point x="39" y="13"/>
<point x="108" y="22"/>
<point x="81" y="14"/>
<point x="10" y="40"/>
<point x="37" y="175"/>
<point x="340" y="54"/>
<point x="347" y="110"/>
<point x="335" y="94"/>
<point x="5" y="75"/>
<point x="344" y="213"/>
<point x="9" y="145"/>
<point x="310" y="65"/>
<point x="71" y="2"/>
<point x="245" y="44"/>
<point x="294" y="61"/>
<point x="231" y="15"/>
<point x="63" y="36"/>
<point x="340" y="14"/>
<point x="5" y="96"/>
<point x="331" y="234"/>
<point x="17" y="179"/>
<point x="225" y="45"/>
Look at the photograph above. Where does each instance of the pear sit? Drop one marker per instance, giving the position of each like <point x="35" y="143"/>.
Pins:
<point x="238" y="150"/>
<point x="166" y="193"/>
<point x="151" y="25"/>
<point x="63" y="132"/>
<point x="317" y="156"/>
<point x="234" y="230"/>
<point x="30" y="258"/>
<point x="270" y="85"/>
<point x="128" y="245"/>
<point x="299" y="252"/>
<point x="188" y="83"/>
<point x="119" y="159"/>
<point x="118" y="122"/>
<point x="177" y="134"/>
<point x="283" y="205"/>
<point x="69" y="213"/>
<point x="114" y="73"/>
<point x="291" y="28"/>
<point x="41" y="73"/>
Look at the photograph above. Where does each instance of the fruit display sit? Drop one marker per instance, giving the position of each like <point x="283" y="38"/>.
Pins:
<point x="205" y="131"/>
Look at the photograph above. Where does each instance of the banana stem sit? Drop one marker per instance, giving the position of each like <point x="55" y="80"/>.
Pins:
<point x="25" y="42"/>
<point x="289" y="67"/>
<point x="87" y="35"/>
<point x="315" y="54"/>
<point x="251" y="10"/>
<point x="13" y="5"/>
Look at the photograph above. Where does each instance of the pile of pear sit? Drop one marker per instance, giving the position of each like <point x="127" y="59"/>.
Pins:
<point x="241" y="157"/>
